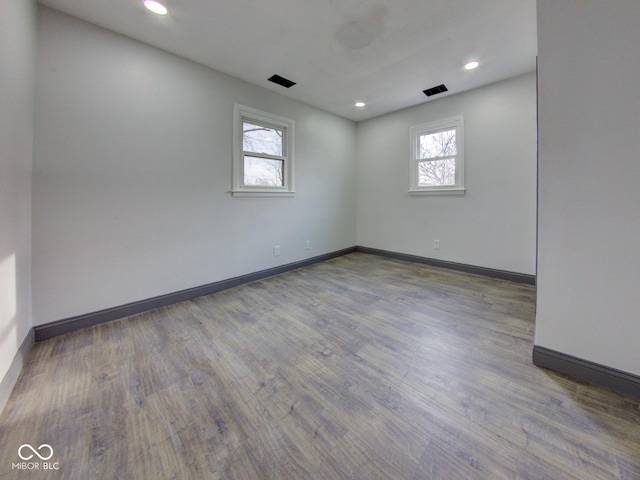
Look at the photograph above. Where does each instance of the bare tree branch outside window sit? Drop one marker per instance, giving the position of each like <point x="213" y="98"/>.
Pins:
<point x="268" y="141"/>
<point x="437" y="164"/>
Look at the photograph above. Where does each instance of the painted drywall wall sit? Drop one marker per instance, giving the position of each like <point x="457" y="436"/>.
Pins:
<point x="589" y="171"/>
<point x="17" y="74"/>
<point x="132" y="172"/>
<point x="494" y="224"/>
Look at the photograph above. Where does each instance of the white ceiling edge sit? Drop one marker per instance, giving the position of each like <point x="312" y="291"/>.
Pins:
<point x="338" y="52"/>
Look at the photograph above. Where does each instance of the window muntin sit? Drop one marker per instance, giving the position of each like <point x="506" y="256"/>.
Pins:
<point x="263" y="153"/>
<point x="437" y="163"/>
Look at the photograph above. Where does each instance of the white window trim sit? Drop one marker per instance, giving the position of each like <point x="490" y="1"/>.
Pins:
<point x="415" y="132"/>
<point x="238" y="189"/>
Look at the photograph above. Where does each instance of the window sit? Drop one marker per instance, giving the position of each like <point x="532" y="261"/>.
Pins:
<point x="437" y="160"/>
<point x="262" y="153"/>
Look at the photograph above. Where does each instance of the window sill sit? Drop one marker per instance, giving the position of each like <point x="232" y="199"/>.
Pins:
<point x="440" y="191"/>
<point x="262" y="193"/>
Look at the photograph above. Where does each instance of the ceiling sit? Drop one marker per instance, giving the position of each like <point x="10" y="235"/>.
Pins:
<point x="382" y="52"/>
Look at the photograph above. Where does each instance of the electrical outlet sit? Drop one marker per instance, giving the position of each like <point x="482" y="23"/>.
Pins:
<point x="307" y="245"/>
<point x="436" y="244"/>
<point x="276" y="251"/>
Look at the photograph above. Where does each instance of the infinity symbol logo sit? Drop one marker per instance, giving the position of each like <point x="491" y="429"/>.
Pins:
<point x="35" y="452"/>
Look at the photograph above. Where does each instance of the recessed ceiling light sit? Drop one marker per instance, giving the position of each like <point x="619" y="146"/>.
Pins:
<point x="155" y="7"/>
<point x="360" y="104"/>
<point x="471" y="65"/>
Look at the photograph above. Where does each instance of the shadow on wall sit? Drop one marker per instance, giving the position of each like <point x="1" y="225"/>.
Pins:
<point x="8" y="307"/>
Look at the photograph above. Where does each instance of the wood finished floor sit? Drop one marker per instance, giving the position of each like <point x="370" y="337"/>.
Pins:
<point x="360" y="367"/>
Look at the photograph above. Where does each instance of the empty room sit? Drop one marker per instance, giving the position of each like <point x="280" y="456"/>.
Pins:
<point x="295" y="239"/>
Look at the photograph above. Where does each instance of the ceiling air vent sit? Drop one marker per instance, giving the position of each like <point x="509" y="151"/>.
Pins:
<point x="435" y="90"/>
<point x="285" y="82"/>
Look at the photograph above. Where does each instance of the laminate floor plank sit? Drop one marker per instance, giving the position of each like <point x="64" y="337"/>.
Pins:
<point x="360" y="367"/>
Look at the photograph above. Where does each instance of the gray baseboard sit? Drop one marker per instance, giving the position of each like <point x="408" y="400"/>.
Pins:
<point x="587" y="371"/>
<point x="11" y="377"/>
<point x="67" y="325"/>
<point x="461" y="267"/>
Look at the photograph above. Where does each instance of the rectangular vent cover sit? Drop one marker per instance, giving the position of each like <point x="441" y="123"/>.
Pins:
<point x="435" y="90"/>
<point x="285" y="82"/>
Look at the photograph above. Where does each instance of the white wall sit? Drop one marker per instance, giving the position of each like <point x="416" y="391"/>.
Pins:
<point x="17" y="74"/>
<point x="589" y="202"/>
<point x="493" y="224"/>
<point x="132" y="171"/>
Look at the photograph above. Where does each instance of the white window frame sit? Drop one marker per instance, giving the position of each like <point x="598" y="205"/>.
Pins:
<point x="416" y="131"/>
<point x="239" y="189"/>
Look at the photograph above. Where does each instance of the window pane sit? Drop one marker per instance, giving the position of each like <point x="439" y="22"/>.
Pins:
<point x="260" y="139"/>
<point x="437" y="173"/>
<point x="441" y="144"/>
<point x="263" y="172"/>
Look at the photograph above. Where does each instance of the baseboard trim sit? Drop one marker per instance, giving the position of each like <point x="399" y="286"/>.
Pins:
<point x="587" y="371"/>
<point x="461" y="267"/>
<point x="11" y="377"/>
<point x="68" y="325"/>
